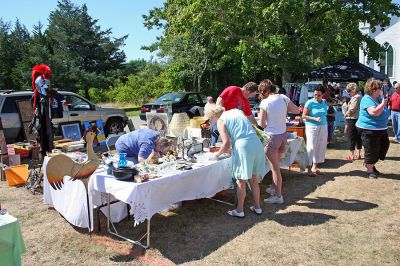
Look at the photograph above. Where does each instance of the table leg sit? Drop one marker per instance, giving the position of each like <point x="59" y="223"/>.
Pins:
<point x="114" y="231"/>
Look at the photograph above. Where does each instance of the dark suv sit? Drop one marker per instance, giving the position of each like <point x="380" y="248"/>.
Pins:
<point x="77" y="108"/>
<point x="181" y="102"/>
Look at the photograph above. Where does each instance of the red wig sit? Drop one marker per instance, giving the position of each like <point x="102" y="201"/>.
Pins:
<point x="39" y="70"/>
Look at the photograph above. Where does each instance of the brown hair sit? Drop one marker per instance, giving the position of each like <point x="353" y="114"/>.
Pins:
<point x="266" y="87"/>
<point x="251" y="86"/>
<point x="372" y="85"/>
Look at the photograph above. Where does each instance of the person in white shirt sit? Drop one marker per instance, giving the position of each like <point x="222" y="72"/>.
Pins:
<point x="273" y="110"/>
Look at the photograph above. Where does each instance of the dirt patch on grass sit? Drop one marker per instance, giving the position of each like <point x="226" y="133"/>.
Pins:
<point x="339" y="218"/>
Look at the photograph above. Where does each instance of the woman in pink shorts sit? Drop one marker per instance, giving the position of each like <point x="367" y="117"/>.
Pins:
<point x="273" y="110"/>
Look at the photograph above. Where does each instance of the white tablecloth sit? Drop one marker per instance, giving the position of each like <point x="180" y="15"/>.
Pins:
<point x="295" y="152"/>
<point x="149" y="198"/>
<point x="71" y="201"/>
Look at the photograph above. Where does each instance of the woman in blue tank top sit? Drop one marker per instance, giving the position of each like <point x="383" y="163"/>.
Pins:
<point x="248" y="159"/>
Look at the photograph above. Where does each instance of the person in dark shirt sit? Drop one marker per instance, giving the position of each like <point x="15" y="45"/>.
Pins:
<point x="56" y="103"/>
<point x="330" y="119"/>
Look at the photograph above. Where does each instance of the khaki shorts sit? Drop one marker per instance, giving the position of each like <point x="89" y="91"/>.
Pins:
<point x="277" y="144"/>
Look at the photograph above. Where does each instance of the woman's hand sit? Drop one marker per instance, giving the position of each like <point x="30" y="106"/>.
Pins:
<point x="318" y="119"/>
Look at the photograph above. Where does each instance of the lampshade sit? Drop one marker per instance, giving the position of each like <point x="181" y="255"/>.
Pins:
<point x="178" y="124"/>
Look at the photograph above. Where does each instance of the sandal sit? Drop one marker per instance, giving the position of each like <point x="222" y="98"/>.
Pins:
<point x="235" y="213"/>
<point x="257" y="211"/>
<point x="312" y="173"/>
<point x="318" y="172"/>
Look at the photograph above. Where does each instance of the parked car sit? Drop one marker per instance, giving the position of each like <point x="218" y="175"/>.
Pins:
<point x="181" y="102"/>
<point x="311" y="85"/>
<point x="77" y="109"/>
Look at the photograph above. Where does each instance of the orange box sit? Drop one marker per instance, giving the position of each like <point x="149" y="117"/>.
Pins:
<point x="17" y="174"/>
<point x="299" y="130"/>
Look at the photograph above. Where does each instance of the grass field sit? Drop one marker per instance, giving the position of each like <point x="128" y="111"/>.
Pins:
<point x="339" y="218"/>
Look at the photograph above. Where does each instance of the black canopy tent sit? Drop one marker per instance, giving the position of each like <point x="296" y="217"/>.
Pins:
<point x="346" y="70"/>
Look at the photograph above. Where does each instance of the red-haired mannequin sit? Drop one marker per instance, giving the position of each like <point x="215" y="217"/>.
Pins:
<point x="41" y="123"/>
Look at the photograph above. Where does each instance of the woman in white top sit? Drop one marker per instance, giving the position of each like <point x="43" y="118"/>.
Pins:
<point x="273" y="110"/>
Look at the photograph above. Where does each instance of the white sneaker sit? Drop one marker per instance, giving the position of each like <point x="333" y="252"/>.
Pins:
<point x="235" y="213"/>
<point x="270" y="190"/>
<point x="274" y="200"/>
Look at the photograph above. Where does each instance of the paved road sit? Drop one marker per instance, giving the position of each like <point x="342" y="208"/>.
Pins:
<point x="136" y="122"/>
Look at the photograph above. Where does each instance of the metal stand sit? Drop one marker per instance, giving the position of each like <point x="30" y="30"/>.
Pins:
<point x="114" y="231"/>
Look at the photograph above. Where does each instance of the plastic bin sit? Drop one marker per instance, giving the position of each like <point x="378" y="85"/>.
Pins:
<point x="17" y="175"/>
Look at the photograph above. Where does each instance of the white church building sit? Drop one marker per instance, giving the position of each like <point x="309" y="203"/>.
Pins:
<point x="389" y="38"/>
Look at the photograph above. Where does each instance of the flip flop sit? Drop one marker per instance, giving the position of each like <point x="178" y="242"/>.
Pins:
<point x="318" y="172"/>
<point x="312" y="174"/>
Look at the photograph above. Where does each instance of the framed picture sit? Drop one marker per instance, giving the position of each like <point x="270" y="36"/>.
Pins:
<point x="71" y="131"/>
<point x="96" y="126"/>
<point x="25" y="110"/>
<point x="158" y="122"/>
<point x="28" y="136"/>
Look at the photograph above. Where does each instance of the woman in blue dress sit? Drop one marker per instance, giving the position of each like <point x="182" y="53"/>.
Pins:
<point x="248" y="159"/>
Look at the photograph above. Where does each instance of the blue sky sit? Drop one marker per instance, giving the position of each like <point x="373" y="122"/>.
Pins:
<point x="122" y="16"/>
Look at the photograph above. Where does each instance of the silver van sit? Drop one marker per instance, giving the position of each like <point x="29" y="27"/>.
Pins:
<point x="77" y="108"/>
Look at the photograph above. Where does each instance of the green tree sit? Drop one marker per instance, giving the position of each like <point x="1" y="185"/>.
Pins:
<point x="282" y="38"/>
<point x="82" y="55"/>
<point x="14" y="46"/>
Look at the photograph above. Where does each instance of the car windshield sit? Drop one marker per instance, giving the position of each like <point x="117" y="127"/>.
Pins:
<point x="311" y="87"/>
<point x="174" y="97"/>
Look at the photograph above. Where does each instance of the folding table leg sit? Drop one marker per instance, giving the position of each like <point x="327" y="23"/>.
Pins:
<point x="114" y="231"/>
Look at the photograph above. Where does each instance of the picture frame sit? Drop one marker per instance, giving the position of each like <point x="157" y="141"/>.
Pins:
<point x="71" y="131"/>
<point x="96" y="126"/>
<point x="25" y="110"/>
<point x="158" y="122"/>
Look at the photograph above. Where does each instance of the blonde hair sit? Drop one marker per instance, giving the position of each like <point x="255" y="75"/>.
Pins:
<point x="372" y="85"/>
<point x="352" y="87"/>
<point x="213" y="110"/>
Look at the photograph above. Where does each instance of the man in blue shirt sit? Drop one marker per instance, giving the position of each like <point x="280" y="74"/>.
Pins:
<point x="139" y="144"/>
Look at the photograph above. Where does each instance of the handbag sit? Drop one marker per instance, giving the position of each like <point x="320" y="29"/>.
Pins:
<point x="262" y="135"/>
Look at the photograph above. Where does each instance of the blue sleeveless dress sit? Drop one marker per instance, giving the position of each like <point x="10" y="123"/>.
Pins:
<point x="248" y="157"/>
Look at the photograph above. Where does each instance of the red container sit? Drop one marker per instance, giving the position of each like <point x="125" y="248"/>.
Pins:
<point x="22" y="152"/>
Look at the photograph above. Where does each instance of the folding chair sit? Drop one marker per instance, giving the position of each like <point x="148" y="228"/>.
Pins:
<point x="111" y="140"/>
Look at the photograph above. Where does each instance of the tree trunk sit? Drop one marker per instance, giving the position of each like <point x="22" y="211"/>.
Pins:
<point x="87" y="93"/>
<point x="286" y="75"/>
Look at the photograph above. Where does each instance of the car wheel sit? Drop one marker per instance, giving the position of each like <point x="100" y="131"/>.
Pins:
<point x="114" y="126"/>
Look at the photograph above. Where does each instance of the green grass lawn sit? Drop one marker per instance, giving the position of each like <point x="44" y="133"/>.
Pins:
<point x="133" y="113"/>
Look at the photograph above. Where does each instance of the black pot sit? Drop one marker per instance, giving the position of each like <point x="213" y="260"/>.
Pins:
<point x="125" y="173"/>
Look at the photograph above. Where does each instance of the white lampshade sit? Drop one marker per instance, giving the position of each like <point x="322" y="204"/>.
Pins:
<point x="178" y="124"/>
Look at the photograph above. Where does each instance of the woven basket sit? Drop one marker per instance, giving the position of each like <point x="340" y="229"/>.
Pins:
<point x="197" y="121"/>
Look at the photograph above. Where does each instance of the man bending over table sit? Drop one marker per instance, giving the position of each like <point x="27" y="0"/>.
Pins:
<point x="139" y="144"/>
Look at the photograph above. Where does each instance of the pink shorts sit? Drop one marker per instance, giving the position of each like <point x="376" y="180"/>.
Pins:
<point x="276" y="144"/>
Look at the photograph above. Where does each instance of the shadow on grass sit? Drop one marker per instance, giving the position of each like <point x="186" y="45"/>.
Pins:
<point x="200" y="227"/>
<point x="296" y="218"/>
<point x="364" y="174"/>
<point x="333" y="163"/>
<point x="337" y="204"/>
